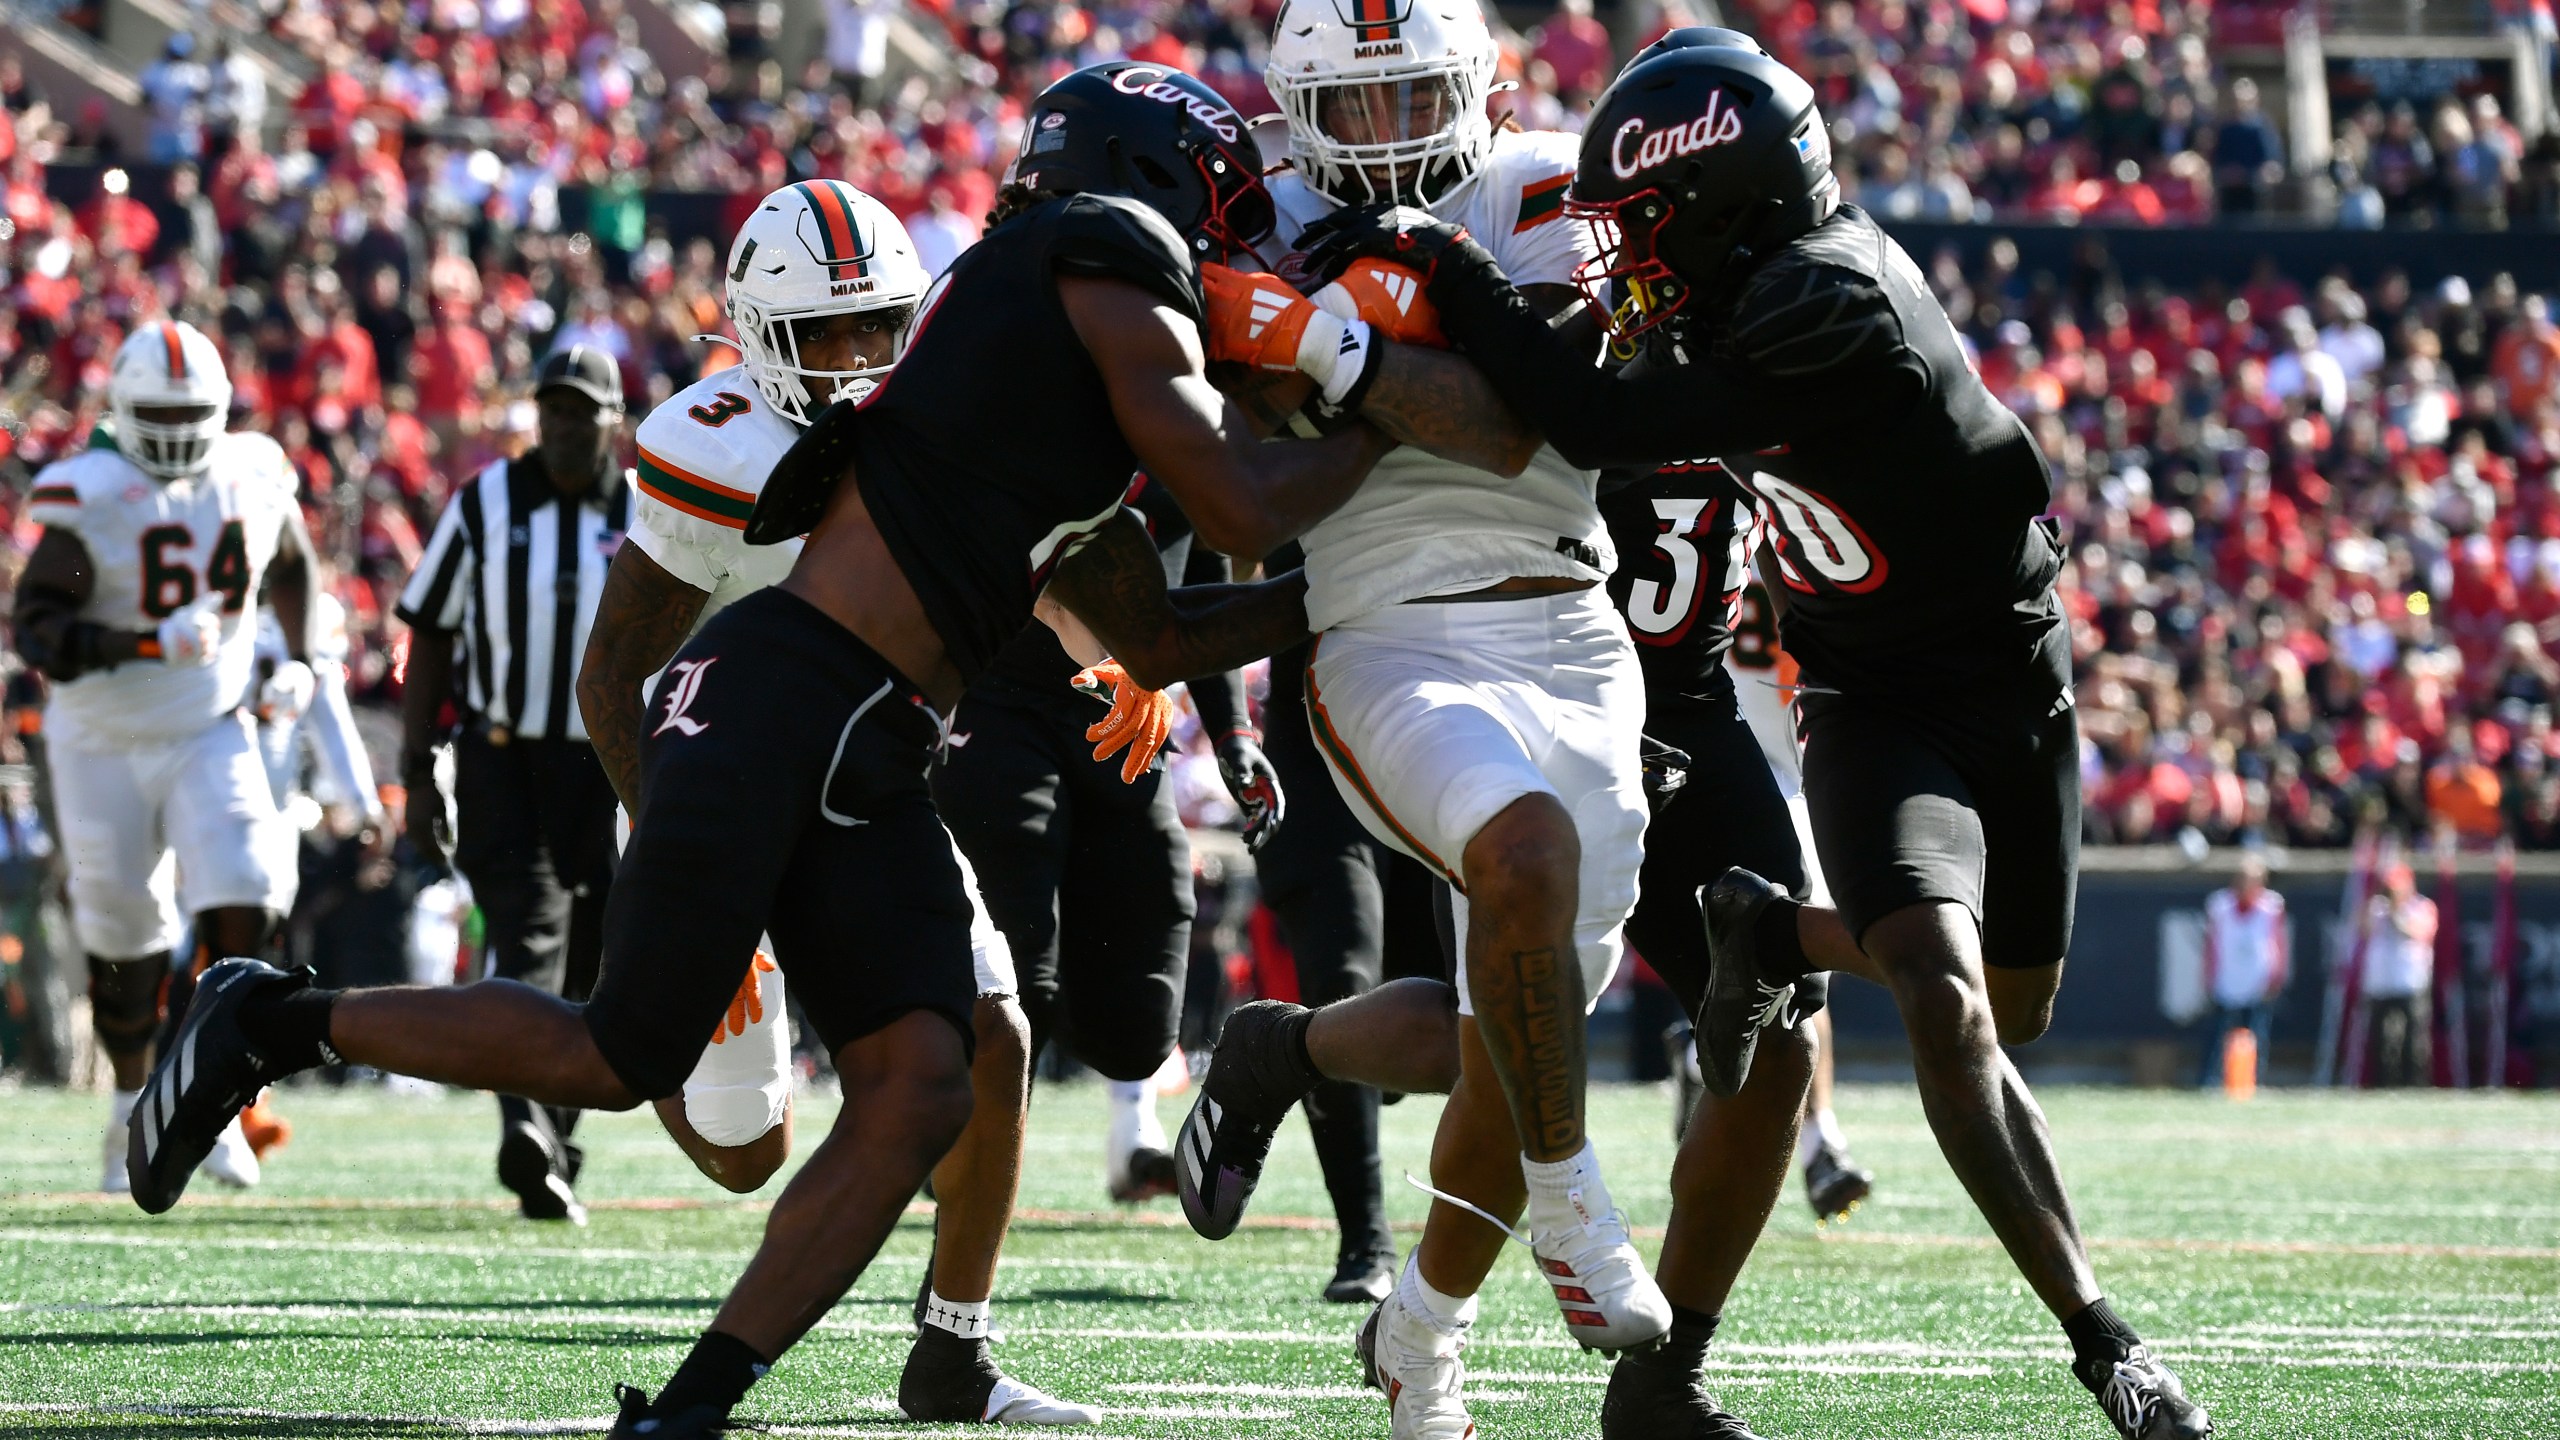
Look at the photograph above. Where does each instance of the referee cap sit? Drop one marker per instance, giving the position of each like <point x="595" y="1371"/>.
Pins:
<point x="583" y="368"/>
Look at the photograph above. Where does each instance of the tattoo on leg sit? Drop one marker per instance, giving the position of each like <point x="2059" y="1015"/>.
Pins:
<point x="1531" y="1018"/>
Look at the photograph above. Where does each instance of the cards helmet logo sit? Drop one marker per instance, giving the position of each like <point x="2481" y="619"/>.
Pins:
<point x="1150" y="82"/>
<point x="1634" y="149"/>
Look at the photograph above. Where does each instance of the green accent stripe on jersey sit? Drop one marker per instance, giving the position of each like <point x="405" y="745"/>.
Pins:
<point x="686" y="494"/>
<point x="1542" y="202"/>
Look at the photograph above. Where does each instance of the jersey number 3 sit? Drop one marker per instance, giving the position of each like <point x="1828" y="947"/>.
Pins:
<point x="724" y="407"/>
<point x="1659" y="613"/>
<point x="169" y="583"/>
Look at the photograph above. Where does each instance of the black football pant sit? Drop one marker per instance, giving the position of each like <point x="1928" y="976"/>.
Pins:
<point x="533" y="833"/>
<point x="1089" y="879"/>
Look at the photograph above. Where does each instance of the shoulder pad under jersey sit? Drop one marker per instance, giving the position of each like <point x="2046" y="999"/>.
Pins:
<point x="1807" y="312"/>
<point x="706" y="451"/>
<point x="1111" y="235"/>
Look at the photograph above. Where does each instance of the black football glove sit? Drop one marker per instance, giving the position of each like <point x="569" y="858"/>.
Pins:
<point x="1414" y="238"/>
<point x="1666" y="769"/>
<point x="1254" y="784"/>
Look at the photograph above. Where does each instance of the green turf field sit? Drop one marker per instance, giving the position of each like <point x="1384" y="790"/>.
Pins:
<point x="2314" y="1267"/>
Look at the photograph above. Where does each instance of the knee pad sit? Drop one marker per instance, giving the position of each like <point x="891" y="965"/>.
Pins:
<point x="125" y="997"/>
<point x="263" y="941"/>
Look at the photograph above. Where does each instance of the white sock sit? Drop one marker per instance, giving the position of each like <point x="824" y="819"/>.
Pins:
<point x="967" y="1319"/>
<point x="1823" y="1129"/>
<point x="1567" y="1191"/>
<point x="1445" y="1313"/>
<point x="120" y="1106"/>
<point x="1133" y="1102"/>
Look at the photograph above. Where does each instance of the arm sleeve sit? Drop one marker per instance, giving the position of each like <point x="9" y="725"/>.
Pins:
<point x="677" y="553"/>
<point x="434" y="596"/>
<point x="1219" y="698"/>
<point x="1113" y="238"/>
<point x="1784" y="376"/>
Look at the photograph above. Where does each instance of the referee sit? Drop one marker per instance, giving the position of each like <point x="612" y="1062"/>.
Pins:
<point x="503" y="598"/>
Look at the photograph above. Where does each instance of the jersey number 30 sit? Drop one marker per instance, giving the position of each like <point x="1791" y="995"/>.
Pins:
<point x="169" y="582"/>
<point x="1817" y="536"/>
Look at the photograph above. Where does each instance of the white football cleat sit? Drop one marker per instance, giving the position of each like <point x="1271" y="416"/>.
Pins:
<point x="1014" y="1403"/>
<point x="1602" y="1285"/>
<point x="1415" y="1363"/>
<point x="1137" y="1158"/>
<point x="232" y="1161"/>
<point x="114" y="1178"/>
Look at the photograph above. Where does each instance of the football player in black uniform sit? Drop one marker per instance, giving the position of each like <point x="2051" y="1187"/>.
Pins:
<point x="1083" y="861"/>
<point x="1941" y="745"/>
<point x="785" y="779"/>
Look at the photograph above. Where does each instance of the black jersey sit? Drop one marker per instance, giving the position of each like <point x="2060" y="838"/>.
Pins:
<point x="1680" y="535"/>
<point x="991" y="450"/>
<point x="1903" y="498"/>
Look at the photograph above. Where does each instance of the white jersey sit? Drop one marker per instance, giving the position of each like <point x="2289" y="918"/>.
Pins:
<point x="155" y="546"/>
<point x="704" y="456"/>
<point x="1421" y="525"/>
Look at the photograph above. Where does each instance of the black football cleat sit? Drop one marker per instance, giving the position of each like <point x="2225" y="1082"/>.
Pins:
<point x="950" y="1379"/>
<point x="2144" y="1400"/>
<point x="1244" y="1097"/>
<point x="1362" y="1276"/>
<point x="1649" y="1399"/>
<point x="1148" y="1176"/>
<point x="208" y="1073"/>
<point x="636" y="1420"/>
<point x="528" y="1166"/>
<point x="1834" y="1184"/>
<point x="1739" y="1001"/>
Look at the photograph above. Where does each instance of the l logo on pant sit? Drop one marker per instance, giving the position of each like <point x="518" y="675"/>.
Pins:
<point x="688" y="684"/>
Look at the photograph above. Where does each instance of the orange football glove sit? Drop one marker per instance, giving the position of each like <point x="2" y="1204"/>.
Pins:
<point x="1254" y="320"/>
<point x="747" y="1006"/>
<point x="1389" y="296"/>
<point x="1140" y="719"/>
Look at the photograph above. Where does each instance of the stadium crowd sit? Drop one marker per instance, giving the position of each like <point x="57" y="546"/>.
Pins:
<point x="2317" y="556"/>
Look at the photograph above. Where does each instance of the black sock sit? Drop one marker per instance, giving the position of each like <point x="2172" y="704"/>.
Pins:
<point x="2098" y="1341"/>
<point x="291" y="1027"/>
<point x="1293" y="1049"/>
<point x="1685" y="1348"/>
<point x="717" y="1374"/>
<point x="1780" y="947"/>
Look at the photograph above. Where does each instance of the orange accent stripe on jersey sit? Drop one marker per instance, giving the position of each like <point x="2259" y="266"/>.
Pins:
<point x="1347" y="766"/>
<point x="177" y="352"/>
<point x="702" y="499"/>
<point x="678" y="471"/>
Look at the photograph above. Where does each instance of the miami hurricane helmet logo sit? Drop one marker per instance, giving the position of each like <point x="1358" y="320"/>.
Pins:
<point x="833" y="236"/>
<point x="1377" y="26"/>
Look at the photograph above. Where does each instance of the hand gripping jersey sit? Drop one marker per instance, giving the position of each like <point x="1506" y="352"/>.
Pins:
<point x="156" y="546"/>
<point x="704" y="455"/>
<point x="992" y="451"/>
<point x="1903" y="497"/>
<point x="1421" y="525"/>
<point x="1681" y="535"/>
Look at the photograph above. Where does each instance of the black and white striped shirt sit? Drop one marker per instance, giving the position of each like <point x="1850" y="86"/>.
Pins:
<point x="518" y="569"/>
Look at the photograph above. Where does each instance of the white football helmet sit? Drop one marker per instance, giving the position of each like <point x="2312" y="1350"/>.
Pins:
<point x="171" y="368"/>
<point x="1385" y="98"/>
<point x="817" y="248"/>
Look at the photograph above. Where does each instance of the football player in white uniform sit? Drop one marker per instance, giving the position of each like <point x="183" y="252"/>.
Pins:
<point x="823" y="285"/>
<point x="1474" y="691"/>
<point x="1764" y="677"/>
<point x="140" y="603"/>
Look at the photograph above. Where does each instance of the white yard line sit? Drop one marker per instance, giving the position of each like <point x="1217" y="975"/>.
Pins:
<point x="593" y="1425"/>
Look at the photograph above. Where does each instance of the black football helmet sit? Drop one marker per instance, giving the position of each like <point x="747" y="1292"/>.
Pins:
<point x="1155" y="135"/>
<point x="1695" y="161"/>
<point x="1694" y="37"/>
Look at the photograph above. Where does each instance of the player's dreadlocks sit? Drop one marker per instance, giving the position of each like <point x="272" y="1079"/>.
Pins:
<point x="1017" y="197"/>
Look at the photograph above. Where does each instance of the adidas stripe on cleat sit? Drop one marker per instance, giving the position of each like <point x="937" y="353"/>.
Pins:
<point x="196" y="1092"/>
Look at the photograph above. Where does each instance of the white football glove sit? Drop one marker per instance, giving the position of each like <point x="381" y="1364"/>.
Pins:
<point x="191" y="633"/>
<point x="287" y="693"/>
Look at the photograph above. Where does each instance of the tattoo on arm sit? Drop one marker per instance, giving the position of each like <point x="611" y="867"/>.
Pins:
<point x="1434" y="400"/>
<point x="1115" y="585"/>
<point x="640" y="623"/>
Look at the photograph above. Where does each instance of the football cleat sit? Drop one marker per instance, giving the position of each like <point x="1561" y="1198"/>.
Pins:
<point x="1834" y="1184"/>
<point x="1227" y="1137"/>
<point x="113" y="1177"/>
<point x="209" y="1072"/>
<point x="1415" y="1364"/>
<point x="232" y="1160"/>
<point x="1362" y="1277"/>
<point x="527" y="1166"/>
<point x="948" y="1378"/>
<point x="1144" y="1173"/>
<point x="1608" y="1297"/>
<point x="1650" y="1401"/>
<point x="268" y="1131"/>
<point x="635" y="1422"/>
<point x="1740" y="1001"/>
<point x="2145" y="1401"/>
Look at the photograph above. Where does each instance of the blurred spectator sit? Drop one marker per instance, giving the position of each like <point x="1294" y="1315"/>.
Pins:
<point x="2248" y="156"/>
<point x="2399" y="969"/>
<point x="2248" y="946"/>
<point x="174" y="86"/>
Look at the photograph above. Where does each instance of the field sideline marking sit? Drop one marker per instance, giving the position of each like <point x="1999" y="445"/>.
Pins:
<point x="590" y="1425"/>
